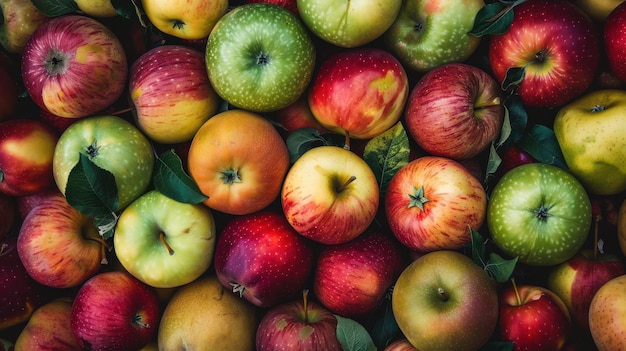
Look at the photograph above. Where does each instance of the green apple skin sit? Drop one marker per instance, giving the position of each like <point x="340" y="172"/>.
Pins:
<point x="592" y="135"/>
<point x="348" y="23"/>
<point x="189" y="231"/>
<point x="539" y="213"/>
<point x="443" y="301"/>
<point x="21" y="18"/>
<point x="260" y="57"/>
<point x="113" y="144"/>
<point x="427" y="34"/>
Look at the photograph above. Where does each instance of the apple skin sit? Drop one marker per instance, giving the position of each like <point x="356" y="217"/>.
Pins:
<point x="621" y="227"/>
<point x="171" y="93"/>
<point x="598" y="10"/>
<point x="74" y="66"/>
<point x="183" y="18"/>
<point x="297" y="115"/>
<point x="26" y="203"/>
<point x="49" y="328"/>
<point x="291" y="5"/>
<point x="401" y="344"/>
<point x="538" y="321"/>
<point x="26" y="156"/>
<point x="512" y="157"/>
<point x="606" y="315"/>
<point x="459" y="119"/>
<point x="21" y="19"/>
<point x="444" y="301"/>
<point x="614" y="45"/>
<point x="559" y="46"/>
<point x="97" y="8"/>
<point x="9" y="94"/>
<point x="330" y="195"/>
<point x="359" y="93"/>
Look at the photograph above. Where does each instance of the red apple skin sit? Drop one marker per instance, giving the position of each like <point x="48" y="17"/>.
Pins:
<point x="8" y="214"/>
<point x="296" y="116"/>
<point x="28" y="202"/>
<point x="291" y="5"/>
<point x="114" y="311"/>
<point x="59" y="123"/>
<point x="540" y="323"/>
<point x="568" y="38"/>
<point x="49" y="328"/>
<point x="614" y="41"/>
<point x="9" y="94"/>
<point x="261" y="257"/>
<point x="352" y="278"/>
<point x="401" y="344"/>
<point x="512" y="157"/>
<point x="26" y="152"/>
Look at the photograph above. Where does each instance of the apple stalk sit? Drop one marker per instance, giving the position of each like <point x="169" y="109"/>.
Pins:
<point x="167" y="246"/>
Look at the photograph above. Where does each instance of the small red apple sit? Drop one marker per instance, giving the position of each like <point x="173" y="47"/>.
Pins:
<point x="614" y="43"/>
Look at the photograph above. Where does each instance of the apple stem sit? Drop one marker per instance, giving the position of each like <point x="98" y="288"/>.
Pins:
<point x="238" y="288"/>
<point x="519" y="298"/>
<point x="305" y="303"/>
<point x="346" y="144"/>
<point x="103" y="246"/>
<point x="167" y="246"/>
<point x="346" y="183"/>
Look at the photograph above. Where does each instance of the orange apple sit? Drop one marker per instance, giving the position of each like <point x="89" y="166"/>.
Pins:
<point x="607" y="315"/>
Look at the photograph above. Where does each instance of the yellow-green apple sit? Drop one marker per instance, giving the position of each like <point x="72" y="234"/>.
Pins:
<point x="185" y="19"/>
<point x="171" y="93"/>
<point x="59" y="246"/>
<point x="606" y="315"/>
<point x="204" y="313"/>
<point x="401" y="344"/>
<point x="539" y="213"/>
<point x="263" y="259"/>
<point x="111" y="143"/>
<point x="26" y="156"/>
<point x="96" y="8"/>
<point x="577" y="280"/>
<point x="298" y="325"/>
<point x="549" y="53"/>
<point x="249" y="160"/>
<point x="348" y="23"/>
<point x="359" y="93"/>
<point x="459" y="119"/>
<point x="9" y="87"/>
<point x="614" y="46"/>
<point x="591" y="134"/>
<point x="533" y="317"/>
<point x="621" y="227"/>
<point x="9" y="214"/>
<point x="260" y="57"/>
<point x="425" y="34"/>
<point x="74" y="66"/>
<point x="49" y="328"/>
<point x="598" y="10"/>
<point x="20" y="19"/>
<point x="163" y="242"/>
<point x="330" y="195"/>
<point x="114" y="311"/>
<point x="431" y="203"/>
<point x="291" y="5"/>
<point x="444" y="301"/>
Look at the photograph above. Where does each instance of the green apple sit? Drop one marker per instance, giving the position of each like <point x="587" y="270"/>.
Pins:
<point x="112" y="143"/>
<point x="163" y="242"/>
<point x="260" y="57"/>
<point x="427" y="34"/>
<point x="539" y="213"/>
<point x="592" y="135"/>
<point x="20" y="19"/>
<point x="443" y="301"/>
<point x="347" y="23"/>
<point x="185" y="19"/>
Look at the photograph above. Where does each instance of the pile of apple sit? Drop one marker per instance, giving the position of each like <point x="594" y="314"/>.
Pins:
<point x="313" y="175"/>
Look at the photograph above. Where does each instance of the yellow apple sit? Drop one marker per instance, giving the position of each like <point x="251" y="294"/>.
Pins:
<point x="607" y="315"/>
<point x="598" y="10"/>
<point x="185" y="19"/>
<point x="97" y="8"/>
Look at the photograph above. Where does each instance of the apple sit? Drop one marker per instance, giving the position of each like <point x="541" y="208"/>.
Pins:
<point x="260" y="57"/>
<point x="614" y="47"/>
<point x="432" y="202"/>
<point x="114" y="311"/>
<point x="96" y="8"/>
<point x="598" y="10"/>
<point x="351" y="279"/>
<point x="9" y="217"/>
<point x="171" y="93"/>
<point x="359" y="93"/>
<point x="59" y="246"/>
<point x="262" y="258"/>
<point x="330" y="195"/>
<point x="204" y="314"/>
<point x="298" y="325"/>
<point x="346" y="23"/>
<point x="459" y="119"/>
<point x="9" y="93"/>
<point x="249" y="160"/>
<point x="74" y="66"/>
<point x="58" y="123"/>
<point x="26" y="156"/>
<point x="606" y="315"/>
<point x="426" y="35"/>
<point x="555" y="44"/>
<point x="514" y="156"/>
<point x="49" y="328"/>
<point x="539" y="213"/>
<point x="111" y="143"/>
<point x="401" y="344"/>
<point x="183" y="18"/>
<point x="26" y="203"/>
<point x="20" y="19"/>
<point x="444" y="301"/>
<point x="533" y="317"/>
<point x="163" y="242"/>
<point x="590" y="133"/>
<point x="291" y="5"/>
<point x="296" y="116"/>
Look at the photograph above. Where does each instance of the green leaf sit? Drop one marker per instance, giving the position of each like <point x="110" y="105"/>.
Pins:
<point x="514" y="76"/>
<point x="518" y="120"/>
<point x="541" y="143"/>
<point x="54" y="8"/>
<point x="494" y="18"/>
<point x="125" y="8"/>
<point x="171" y="180"/>
<point x="387" y="153"/>
<point x="304" y="139"/>
<point x="385" y="327"/>
<point x="353" y="336"/>
<point x="500" y="269"/>
<point x="478" y="248"/>
<point x="498" y="346"/>
<point x="91" y="190"/>
<point x="493" y="163"/>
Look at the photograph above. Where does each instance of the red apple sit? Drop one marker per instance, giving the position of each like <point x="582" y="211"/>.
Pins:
<point x="114" y="311"/>
<point x="9" y="94"/>
<point x="555" y="43"/>
<point x="455" y="110"/>
<point x="614" y="43"/>
<point x="296" y="116"/>
<point x="514" y="156"/>
<point x="401" y="344"/>
<point x="8" y="214"/>
<point x="291" y="5"/>
<point x="262" y="258"/>
<point x="49" y="328"/>
<point x="28" y="202"/>
<point x="60" y="124"/>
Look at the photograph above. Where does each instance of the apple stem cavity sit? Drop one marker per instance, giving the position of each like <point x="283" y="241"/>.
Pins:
<point x="56" y="63"/>
<point x="230" y="176"/>
<point x="345" y="184"/>
<point x="417" y="198"/>
<point x="103" y="247"/>
<point x="238" y="288"/>
<point x="167" y="246"/>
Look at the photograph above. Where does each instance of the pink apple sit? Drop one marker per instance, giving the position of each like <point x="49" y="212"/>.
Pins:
<point x="262" y="258"/>
<point x="614" y="44"/>
<point x="114" y="311"/>
<point x="74" y="66"/>
<point x="26" y="153"/>
<point x="49" y="328"/>
<point x="9" y="94"/>
<point x="8" y="214"/>
<point x="455" y="110"/>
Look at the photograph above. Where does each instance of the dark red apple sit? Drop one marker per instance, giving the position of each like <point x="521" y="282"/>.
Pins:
<point x="512" y="157"/>
<point x="614" y="40"/>
<point x="9" y="93"/>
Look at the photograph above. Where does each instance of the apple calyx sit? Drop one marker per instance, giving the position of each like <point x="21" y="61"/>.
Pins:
<point x="167" y="246"/>
<point x="442" y="294"/>
<point x="542" y="214"/>
<point x="417" y="198"/>
<point x="598" y="108"/>
<point x="177" y="24"/>
<point x="238" y="288"/>
<point x="230" y="176"/>
<point x="56" y="62"/>
<point x="138" y="321"/>
<point x="262" y="58"/>
<point x="92" y="150"/>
